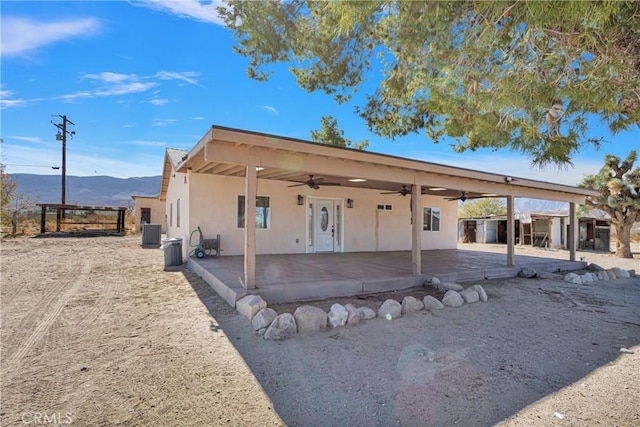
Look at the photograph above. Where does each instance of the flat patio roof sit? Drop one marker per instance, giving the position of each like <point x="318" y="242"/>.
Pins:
<point x="305" y="277"/>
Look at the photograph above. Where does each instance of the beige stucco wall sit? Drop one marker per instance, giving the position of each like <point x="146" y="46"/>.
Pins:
<point x="213" y="206"/>
<point x="157" y="211"/>
<point x="178" y="189"/>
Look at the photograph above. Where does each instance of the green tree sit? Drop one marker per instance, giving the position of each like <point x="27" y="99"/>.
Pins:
<point x="330" y="134"/>
<point x="523" y="75"/>
<point x="482" y="208"/>
<point x="619" y="188"/>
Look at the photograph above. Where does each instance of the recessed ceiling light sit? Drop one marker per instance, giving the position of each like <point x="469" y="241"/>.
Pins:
<point x="437" y="189"/>
<point x="259" y="168"/>
<point x="357" y="180"/>
<point x="489" y="195"/>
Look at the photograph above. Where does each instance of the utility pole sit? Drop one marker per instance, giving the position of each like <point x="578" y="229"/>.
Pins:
<point x="62" y="136"/>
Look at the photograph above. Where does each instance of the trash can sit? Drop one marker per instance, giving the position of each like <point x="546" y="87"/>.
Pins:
<point x="172" y="252"/>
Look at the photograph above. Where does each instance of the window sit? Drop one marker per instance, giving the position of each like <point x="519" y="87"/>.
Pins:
<point x="431" y="219"/>
<point x="263" y="212"/>
<point x="385" y="207"/>
<point x="170" y="214"/>
<point x="178" y="213"/>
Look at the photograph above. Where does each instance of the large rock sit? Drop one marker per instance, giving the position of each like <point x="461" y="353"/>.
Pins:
<point x="282" y="328"/>
<point x="620" y="273"/>
<point x="481" y="292"/>
<point x="432" y="281"/>
<point x="411" y="305"/>
<point x="354" y="314"/>
<point x="594" y="267"/>
<point x="366" y="313"/>
<point x="338" y="315"/>
<point x="390" y="309"/>
<point x="263" y="318"/>
<point x="528" y="273"/>
<point x="430" y="303"/>
<point x="251" y="304"/>
<point x="451" y="286"/>
<point x="452" y="299"/>
<point x="549" y="275"/>
<point x="470" y="295"/>
<point x="573" y="278"/>
<point x="310" y="319"/>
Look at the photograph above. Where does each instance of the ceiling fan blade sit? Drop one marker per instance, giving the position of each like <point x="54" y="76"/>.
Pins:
<point x="298" y="185"/>
<point x="329" y="183"/>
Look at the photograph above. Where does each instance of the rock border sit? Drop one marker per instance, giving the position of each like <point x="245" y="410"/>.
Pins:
<point x="267" y="323"/>
<point x="309" y="319"/>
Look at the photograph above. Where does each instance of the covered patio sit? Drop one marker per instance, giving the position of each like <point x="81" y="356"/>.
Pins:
<point x="300" y="277"/>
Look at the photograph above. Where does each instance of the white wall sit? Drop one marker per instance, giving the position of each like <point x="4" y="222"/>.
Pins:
<point x="178" y="189"/>
<point x="213" y="207"/>
<point x="556" y="233"/>
<point x="157" y="211"/>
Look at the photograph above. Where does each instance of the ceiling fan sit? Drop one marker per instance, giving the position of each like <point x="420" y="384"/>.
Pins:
<point x="314" y="184"/>
<point x="403" y="191"/>
<point x="463" y="196"/>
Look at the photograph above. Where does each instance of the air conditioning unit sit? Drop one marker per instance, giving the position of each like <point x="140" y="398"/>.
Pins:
<point x="151" y="235"/>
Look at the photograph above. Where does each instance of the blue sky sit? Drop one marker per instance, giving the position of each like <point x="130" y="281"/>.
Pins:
<point x="137" y="77"/>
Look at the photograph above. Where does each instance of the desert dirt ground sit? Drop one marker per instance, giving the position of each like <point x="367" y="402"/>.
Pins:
<point x="94" y="332"/>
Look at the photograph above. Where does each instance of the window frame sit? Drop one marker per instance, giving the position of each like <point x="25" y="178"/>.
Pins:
<point x="241" y="219"/>
<point x="431" y="218"/>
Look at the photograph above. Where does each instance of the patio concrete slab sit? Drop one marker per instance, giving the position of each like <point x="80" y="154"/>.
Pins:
<point x="305" y="277"/>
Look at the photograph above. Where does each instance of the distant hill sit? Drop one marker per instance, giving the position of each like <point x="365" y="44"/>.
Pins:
<point x="87" y="190"/>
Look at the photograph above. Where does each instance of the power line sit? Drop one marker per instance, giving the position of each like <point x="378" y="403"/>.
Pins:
<point x="32" y="166"/>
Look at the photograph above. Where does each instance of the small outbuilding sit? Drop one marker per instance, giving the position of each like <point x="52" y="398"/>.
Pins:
<point x="149" y="210"/>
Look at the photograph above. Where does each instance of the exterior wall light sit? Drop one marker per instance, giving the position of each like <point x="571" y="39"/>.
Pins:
<point x="300" y="200"/>
<point x="350" y="203"/>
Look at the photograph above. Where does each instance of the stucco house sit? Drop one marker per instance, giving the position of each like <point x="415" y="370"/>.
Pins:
<point x="149" y="210"/>
<point x="309" y="198"/>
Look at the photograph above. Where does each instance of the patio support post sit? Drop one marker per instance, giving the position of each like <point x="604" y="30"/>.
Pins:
<point x="250" y="193"/>
<point x="416" y="229"/>
<point x="511" y="236"/>
<point x="573" y="226"/>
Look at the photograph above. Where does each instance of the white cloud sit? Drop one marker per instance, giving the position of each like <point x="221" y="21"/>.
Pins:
<point x="128" y="125"/>
<point x="149" y="143"/>
<point x="109" y="84"/>
<point x="22" y="35"/>
<point x="6" y="100"/>
<point x="197" y="10"/>
<point x="35" y="139"/>
<point x="186" y="76"/>
<point x="162" y="122"/>
<point x="269" y="109"/>
<point x="158" y="101"/>
<point x="110" y="77"/>
<point x="197" y="118"/>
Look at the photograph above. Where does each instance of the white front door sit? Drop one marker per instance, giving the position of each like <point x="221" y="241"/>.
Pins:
<point x="325" y="227"/>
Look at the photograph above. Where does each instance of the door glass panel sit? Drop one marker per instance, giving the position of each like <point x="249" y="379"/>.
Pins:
<point x="310" y="224"/>
<point x="324" y="218"/>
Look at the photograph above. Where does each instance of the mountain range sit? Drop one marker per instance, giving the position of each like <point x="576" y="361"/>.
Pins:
<point x="110" y="191"/>
<point x="86" y="190"/>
